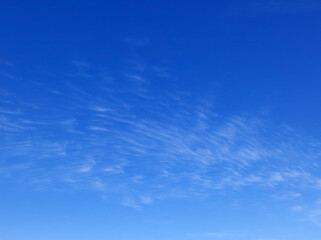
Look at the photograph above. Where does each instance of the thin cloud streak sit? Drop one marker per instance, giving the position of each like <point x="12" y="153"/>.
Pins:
<point x="188" y="150"/>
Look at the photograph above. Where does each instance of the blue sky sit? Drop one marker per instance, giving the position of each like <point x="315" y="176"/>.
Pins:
<point x="153" y="120"/>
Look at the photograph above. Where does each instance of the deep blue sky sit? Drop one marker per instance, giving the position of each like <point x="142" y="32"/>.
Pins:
<point x="153" y="120"/>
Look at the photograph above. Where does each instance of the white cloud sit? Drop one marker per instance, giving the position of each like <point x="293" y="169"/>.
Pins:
<point x="166" y="144"/>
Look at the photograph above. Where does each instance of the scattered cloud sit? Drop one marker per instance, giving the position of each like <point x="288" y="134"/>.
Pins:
<point x="287" y="196"/>
<point x="144" y="148"/>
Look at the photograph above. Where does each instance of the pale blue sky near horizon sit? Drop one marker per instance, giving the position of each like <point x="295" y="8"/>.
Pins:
<point x="153" y="120"/>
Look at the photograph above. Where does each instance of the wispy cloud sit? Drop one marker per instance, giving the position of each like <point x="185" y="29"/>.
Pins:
<point x="144" y="144"/>
<point x="136" y="78"/>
